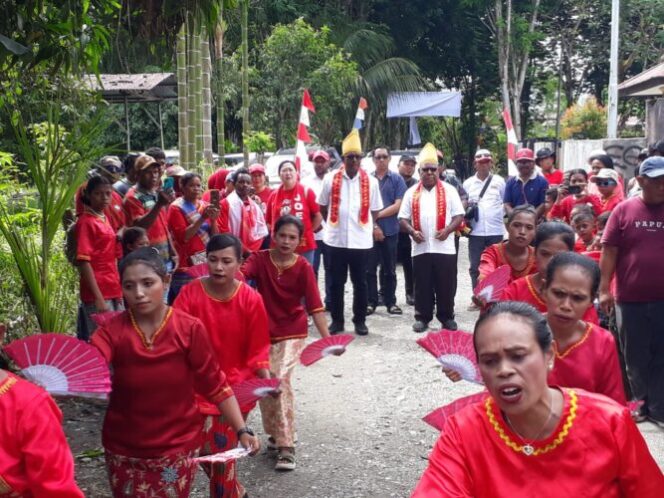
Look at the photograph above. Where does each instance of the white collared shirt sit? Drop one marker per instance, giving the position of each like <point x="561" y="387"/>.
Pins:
<point x="491" y="207"/>
<point x="429" y="218"/>
<point x="316" y="184"/>
<point x="348" y="233"/>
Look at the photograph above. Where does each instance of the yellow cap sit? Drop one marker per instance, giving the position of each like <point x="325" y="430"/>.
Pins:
<point x="428" y="155"/>
<point x="352" y="143"/>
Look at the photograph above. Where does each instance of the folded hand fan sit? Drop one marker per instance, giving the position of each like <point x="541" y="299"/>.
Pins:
<point x="490" y="289"/>
<point x="252" y="390"/>
<point x="101" y="319"/>
<point x="325" y="347"/>
<point x="439" y="416"/>
<point x="61" y="364"/>
<point x="225" y="456"/>
<point x="454" y="350"/>
<point x="634" y="406"/>
<point x="198" y="271"/>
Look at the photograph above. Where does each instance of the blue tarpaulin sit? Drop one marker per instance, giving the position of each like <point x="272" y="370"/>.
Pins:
<point x="414" y="104"/>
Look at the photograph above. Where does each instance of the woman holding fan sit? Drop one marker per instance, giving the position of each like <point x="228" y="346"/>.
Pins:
<point x="160" y="357"/>
<point x="530" y="437"/>
<point x="288" y="285"/>
<point x="234" y="316"/>
<point x="35" y="460"/>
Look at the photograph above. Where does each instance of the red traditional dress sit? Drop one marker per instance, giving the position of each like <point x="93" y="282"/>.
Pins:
<point x="563" y="210"/>
<point x="137" y="204"/>
<point x="35" y="460"/>
<point x="152" y="424"/>
<point x="580" y="246"/>
<point x="238" y="332"/>
<point x="97" y="243"/>
<point x="590" y="364"/>
<point x="181" y="214"/>
<point x="114" y="212"/>
<point x="595" y="452"/>
<point x="244" y="219"/>
<point x="300" y="202"/>
<point x="525" y="290"/>
<point x="494" y="256"/>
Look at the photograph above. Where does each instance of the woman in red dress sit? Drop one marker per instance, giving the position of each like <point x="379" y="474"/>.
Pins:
<point x="295" y="199"/>
<point x="160" y="358"/>
<point x="191" y="222"/>
<point x="35" y="460"/>
<point x="516" y="251"/>
<point x="290" y="291"/>
<point x="530" y="438"/>
<point x="551" y="238"/>
<point x="562" y="208"/>
<point x="97" y="253"/>
<point x="234" y="316"/>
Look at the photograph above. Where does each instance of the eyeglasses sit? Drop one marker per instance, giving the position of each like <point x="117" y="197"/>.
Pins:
<point x="352" y="157"/>
<point x="606" y="183"/>
<point x="381" y="157"/>
<point x="477" y="156"/>
<point x="429" y="170"/>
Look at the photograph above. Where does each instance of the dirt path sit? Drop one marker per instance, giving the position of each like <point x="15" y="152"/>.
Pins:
<point x="358" y="417"/>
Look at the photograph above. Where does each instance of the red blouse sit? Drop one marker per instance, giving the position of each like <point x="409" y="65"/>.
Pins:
<point x="283" y="290"/>
<point x="35" y="460"/>
<point x="595" y="452"/>
<point x="563" y="210"/>
<point x="96" y="243"/>
<point x="525" y="290"/>
<point x="178" y="224"/>
<point x="114" y="212"/>
<point x="494" y="256"/>
<point x="300" y="202"/>
<point x="554" y="178"/>
<point x="152" y="411"/>
<point x="238" y="331"/>
<point x="611" y="202"/>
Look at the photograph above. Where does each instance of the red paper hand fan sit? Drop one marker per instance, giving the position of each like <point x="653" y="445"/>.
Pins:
<point x="198" y="271"/>
<point x="491" y="288"/>
<point x="439" y="416"/>
<point x="454" y="350"/>
<point x="634" y="406"/>
<point x="101" y="319"/>
<point x="321" y="348"/>
<point x="61" y="364"/>
<point x="225" y="456"/>
<point x="252" y="390"/>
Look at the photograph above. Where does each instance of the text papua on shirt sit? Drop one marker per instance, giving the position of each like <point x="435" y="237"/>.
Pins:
<point x="650" y="226"/>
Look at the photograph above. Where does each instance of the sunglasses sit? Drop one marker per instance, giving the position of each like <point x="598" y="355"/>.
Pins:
<point x="478" y="156"/>
<point x="606" y="183"/>
<point x="352" y="157"/>
<point x="429" y="170"/>
<point x="381" y="157"/>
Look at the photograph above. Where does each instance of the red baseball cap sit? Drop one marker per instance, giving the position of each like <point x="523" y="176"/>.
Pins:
<point x="525" y="154"/>
<point x="320" y="154"/>
<point x="256" y="168"/>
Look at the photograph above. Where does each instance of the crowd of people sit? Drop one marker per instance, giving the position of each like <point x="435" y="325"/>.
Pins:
<point x="578" y="335"/>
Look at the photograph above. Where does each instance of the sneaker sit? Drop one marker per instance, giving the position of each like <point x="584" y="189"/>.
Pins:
<point x="361" y="329"/>
<point x="285" y="459"/>
<point x="450" y="324"/>
<point x="420" y="327"/>
<point x="336" y="328"/>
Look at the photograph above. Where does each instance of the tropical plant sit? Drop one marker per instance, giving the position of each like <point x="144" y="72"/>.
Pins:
<point x="259" y="142"/>
<point x="584" y="121"/>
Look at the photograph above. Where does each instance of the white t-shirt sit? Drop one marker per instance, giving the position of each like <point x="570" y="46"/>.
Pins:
<point x="316" y="184"/>
<point x="349" y="233"/>
<point x="491" y="207"/>
<point x="429" y="217"/>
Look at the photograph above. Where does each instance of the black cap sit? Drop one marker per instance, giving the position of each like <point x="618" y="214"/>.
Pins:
<point x="543" y="153"/>
<point x="659" y="147"/>
<point x="407" y="157"/>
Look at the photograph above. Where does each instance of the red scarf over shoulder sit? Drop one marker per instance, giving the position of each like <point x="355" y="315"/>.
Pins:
<point x="336" y="196"/>
<point x="441" y="206"/>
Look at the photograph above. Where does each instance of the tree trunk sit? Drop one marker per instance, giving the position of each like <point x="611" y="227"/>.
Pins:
<point x="219" y="86"/>
<point x="207" y="102"/>
<point x="191" y="93"/>
<point x="181" y="58"/>
<point x="245" y="79"/>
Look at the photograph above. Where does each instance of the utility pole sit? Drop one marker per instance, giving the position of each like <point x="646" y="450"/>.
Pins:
<point x="612" y="121"/>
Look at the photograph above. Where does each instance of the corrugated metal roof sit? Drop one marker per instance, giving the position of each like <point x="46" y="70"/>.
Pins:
<point x="649" y="83"/>
<point x="144" y="87"/>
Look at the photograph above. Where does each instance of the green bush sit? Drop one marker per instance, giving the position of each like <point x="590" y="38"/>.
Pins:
<point x="587" y="121"/>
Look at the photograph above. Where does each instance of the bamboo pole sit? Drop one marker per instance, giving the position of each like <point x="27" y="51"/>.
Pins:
<point x="191" y="93"/>
<point x="198" y="92"/>
<point x="219" y="87"/>
<point x="207" y="101"/>
<point x="245" y="79"/>
<point x="181" y="60"/>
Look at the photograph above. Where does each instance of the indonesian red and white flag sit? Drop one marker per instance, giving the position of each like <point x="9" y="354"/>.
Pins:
<point x="303" y="137"/>
<point x="359" y="116"/>
<point x="512" y="143"/>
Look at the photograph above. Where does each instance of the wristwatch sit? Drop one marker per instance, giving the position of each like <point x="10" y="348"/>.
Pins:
<point x="245" y="430"/>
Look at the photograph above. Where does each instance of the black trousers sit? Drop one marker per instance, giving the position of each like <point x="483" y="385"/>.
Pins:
<point x="435" y="277"/>
<point x="404" y="257"/>
<point x="341" y="261"/>
<point x="383" y="254"/>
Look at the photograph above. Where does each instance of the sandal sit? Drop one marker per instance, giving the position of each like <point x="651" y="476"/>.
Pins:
<point x="370" y="310"/>
<point x="394" y="310"/>
<point x="285" y="459"/>
<point x="271" y="446"/>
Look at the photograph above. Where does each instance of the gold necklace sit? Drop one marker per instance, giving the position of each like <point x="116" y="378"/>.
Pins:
<point x="528" y="449"/>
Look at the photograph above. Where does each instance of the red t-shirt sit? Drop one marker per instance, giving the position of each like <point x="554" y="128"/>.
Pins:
<point x="35" y="460"/>
<point x="563" y="210"/>
<point x="238" y="331"/>
<point x="114" y="212"/>
<point x="283" y="291"/>
<point x="264" y="195"/>
<point x="494" y="256"/>
<point x="135" y="209"/>
<point x="637" y="230"/>
<point x="97" y="243"/>
<point x="178" y="224"/>
<point x="300" y="202"/>
<point x="554" y="178"/>
<point x="152" y="411"/>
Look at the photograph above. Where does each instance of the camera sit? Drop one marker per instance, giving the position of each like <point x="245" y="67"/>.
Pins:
<point x="472" y="213"/>
<point x="574" y="189"/>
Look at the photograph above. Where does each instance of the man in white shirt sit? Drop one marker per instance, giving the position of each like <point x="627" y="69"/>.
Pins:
<point x="350" y="200"/>
<point x="321" y="160"/>
<point x="487" y="225"/>
<point x="431" y="221"/>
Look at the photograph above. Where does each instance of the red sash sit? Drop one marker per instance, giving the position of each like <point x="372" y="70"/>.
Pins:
<point x="441" y="207"/>
<point x="336" y="197"/>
